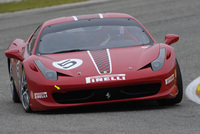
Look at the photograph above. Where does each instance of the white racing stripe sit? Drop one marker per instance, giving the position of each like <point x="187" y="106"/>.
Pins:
<point x="93" y="61"/>
<point x="190" y="91"/>
<point x="109" y="60"/>
<point x="75" y="18"/>
<point x="101" y="15"/>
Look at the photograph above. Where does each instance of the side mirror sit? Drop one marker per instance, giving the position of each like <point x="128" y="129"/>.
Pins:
<point x="171" y="38"/>
<point x="14" y="53"/>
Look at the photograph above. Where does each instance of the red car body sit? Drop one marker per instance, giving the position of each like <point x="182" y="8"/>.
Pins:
<point x="104" y="75"/>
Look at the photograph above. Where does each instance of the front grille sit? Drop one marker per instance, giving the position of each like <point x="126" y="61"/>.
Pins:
<point x="106" y="94"/>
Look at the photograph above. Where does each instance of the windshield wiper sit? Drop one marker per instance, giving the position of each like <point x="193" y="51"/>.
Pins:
<point x="72" y="50"/>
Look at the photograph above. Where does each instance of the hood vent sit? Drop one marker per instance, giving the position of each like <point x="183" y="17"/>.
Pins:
<point x="61" y="74"/>
<point x="147" y="66"/>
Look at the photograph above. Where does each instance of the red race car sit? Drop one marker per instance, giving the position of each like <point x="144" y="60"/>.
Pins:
<point x="92" y="59"/>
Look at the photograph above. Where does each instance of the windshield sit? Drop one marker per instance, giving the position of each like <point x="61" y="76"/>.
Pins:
<point x="92" y="34"/>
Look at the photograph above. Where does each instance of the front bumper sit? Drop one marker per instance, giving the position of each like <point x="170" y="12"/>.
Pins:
<point x="74" y="91"/>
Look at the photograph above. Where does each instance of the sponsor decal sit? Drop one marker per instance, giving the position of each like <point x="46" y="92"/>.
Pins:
<point x="67" y="64"/>
<point x="40" y="95"/>
<point x="169" y="79"/>
<point x="102" y="78"/>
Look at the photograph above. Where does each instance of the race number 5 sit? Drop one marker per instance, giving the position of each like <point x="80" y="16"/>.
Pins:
<point x="67" y="64"/>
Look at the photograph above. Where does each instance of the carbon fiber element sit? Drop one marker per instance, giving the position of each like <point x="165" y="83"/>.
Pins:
<point x="101" y="60"/>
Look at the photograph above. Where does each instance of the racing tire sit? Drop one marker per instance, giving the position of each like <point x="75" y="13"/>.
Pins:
<point x="179" y="96"/>
<point x="14" y="95"/>
<point x="24" y="93"/>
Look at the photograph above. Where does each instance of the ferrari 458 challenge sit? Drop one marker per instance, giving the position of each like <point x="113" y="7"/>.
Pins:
<point x="92" y="59"/>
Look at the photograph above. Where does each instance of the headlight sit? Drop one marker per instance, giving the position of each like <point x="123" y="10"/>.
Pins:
<point x="159" y="62"/>
<point x="49" y="74"/>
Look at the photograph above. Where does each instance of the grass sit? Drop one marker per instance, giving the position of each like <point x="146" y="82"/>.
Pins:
<point x="31" y="4"/>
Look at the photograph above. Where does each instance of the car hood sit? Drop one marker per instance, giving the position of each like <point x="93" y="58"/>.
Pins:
<point x="96" y="62"/>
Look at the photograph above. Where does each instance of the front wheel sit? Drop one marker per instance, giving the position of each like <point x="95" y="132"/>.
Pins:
<point x="24" y="93"/>
<point x="179" y="96"/>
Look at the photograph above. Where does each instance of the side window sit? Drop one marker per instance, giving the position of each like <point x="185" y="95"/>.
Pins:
<point x="32" y="41"/>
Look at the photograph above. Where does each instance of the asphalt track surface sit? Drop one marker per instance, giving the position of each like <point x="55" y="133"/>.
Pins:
<point x="160" y="17"/>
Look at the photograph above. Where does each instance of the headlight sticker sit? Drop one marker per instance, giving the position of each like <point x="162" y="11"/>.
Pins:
<point x="47" y="73"/>
<point x="159" y="62"/>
